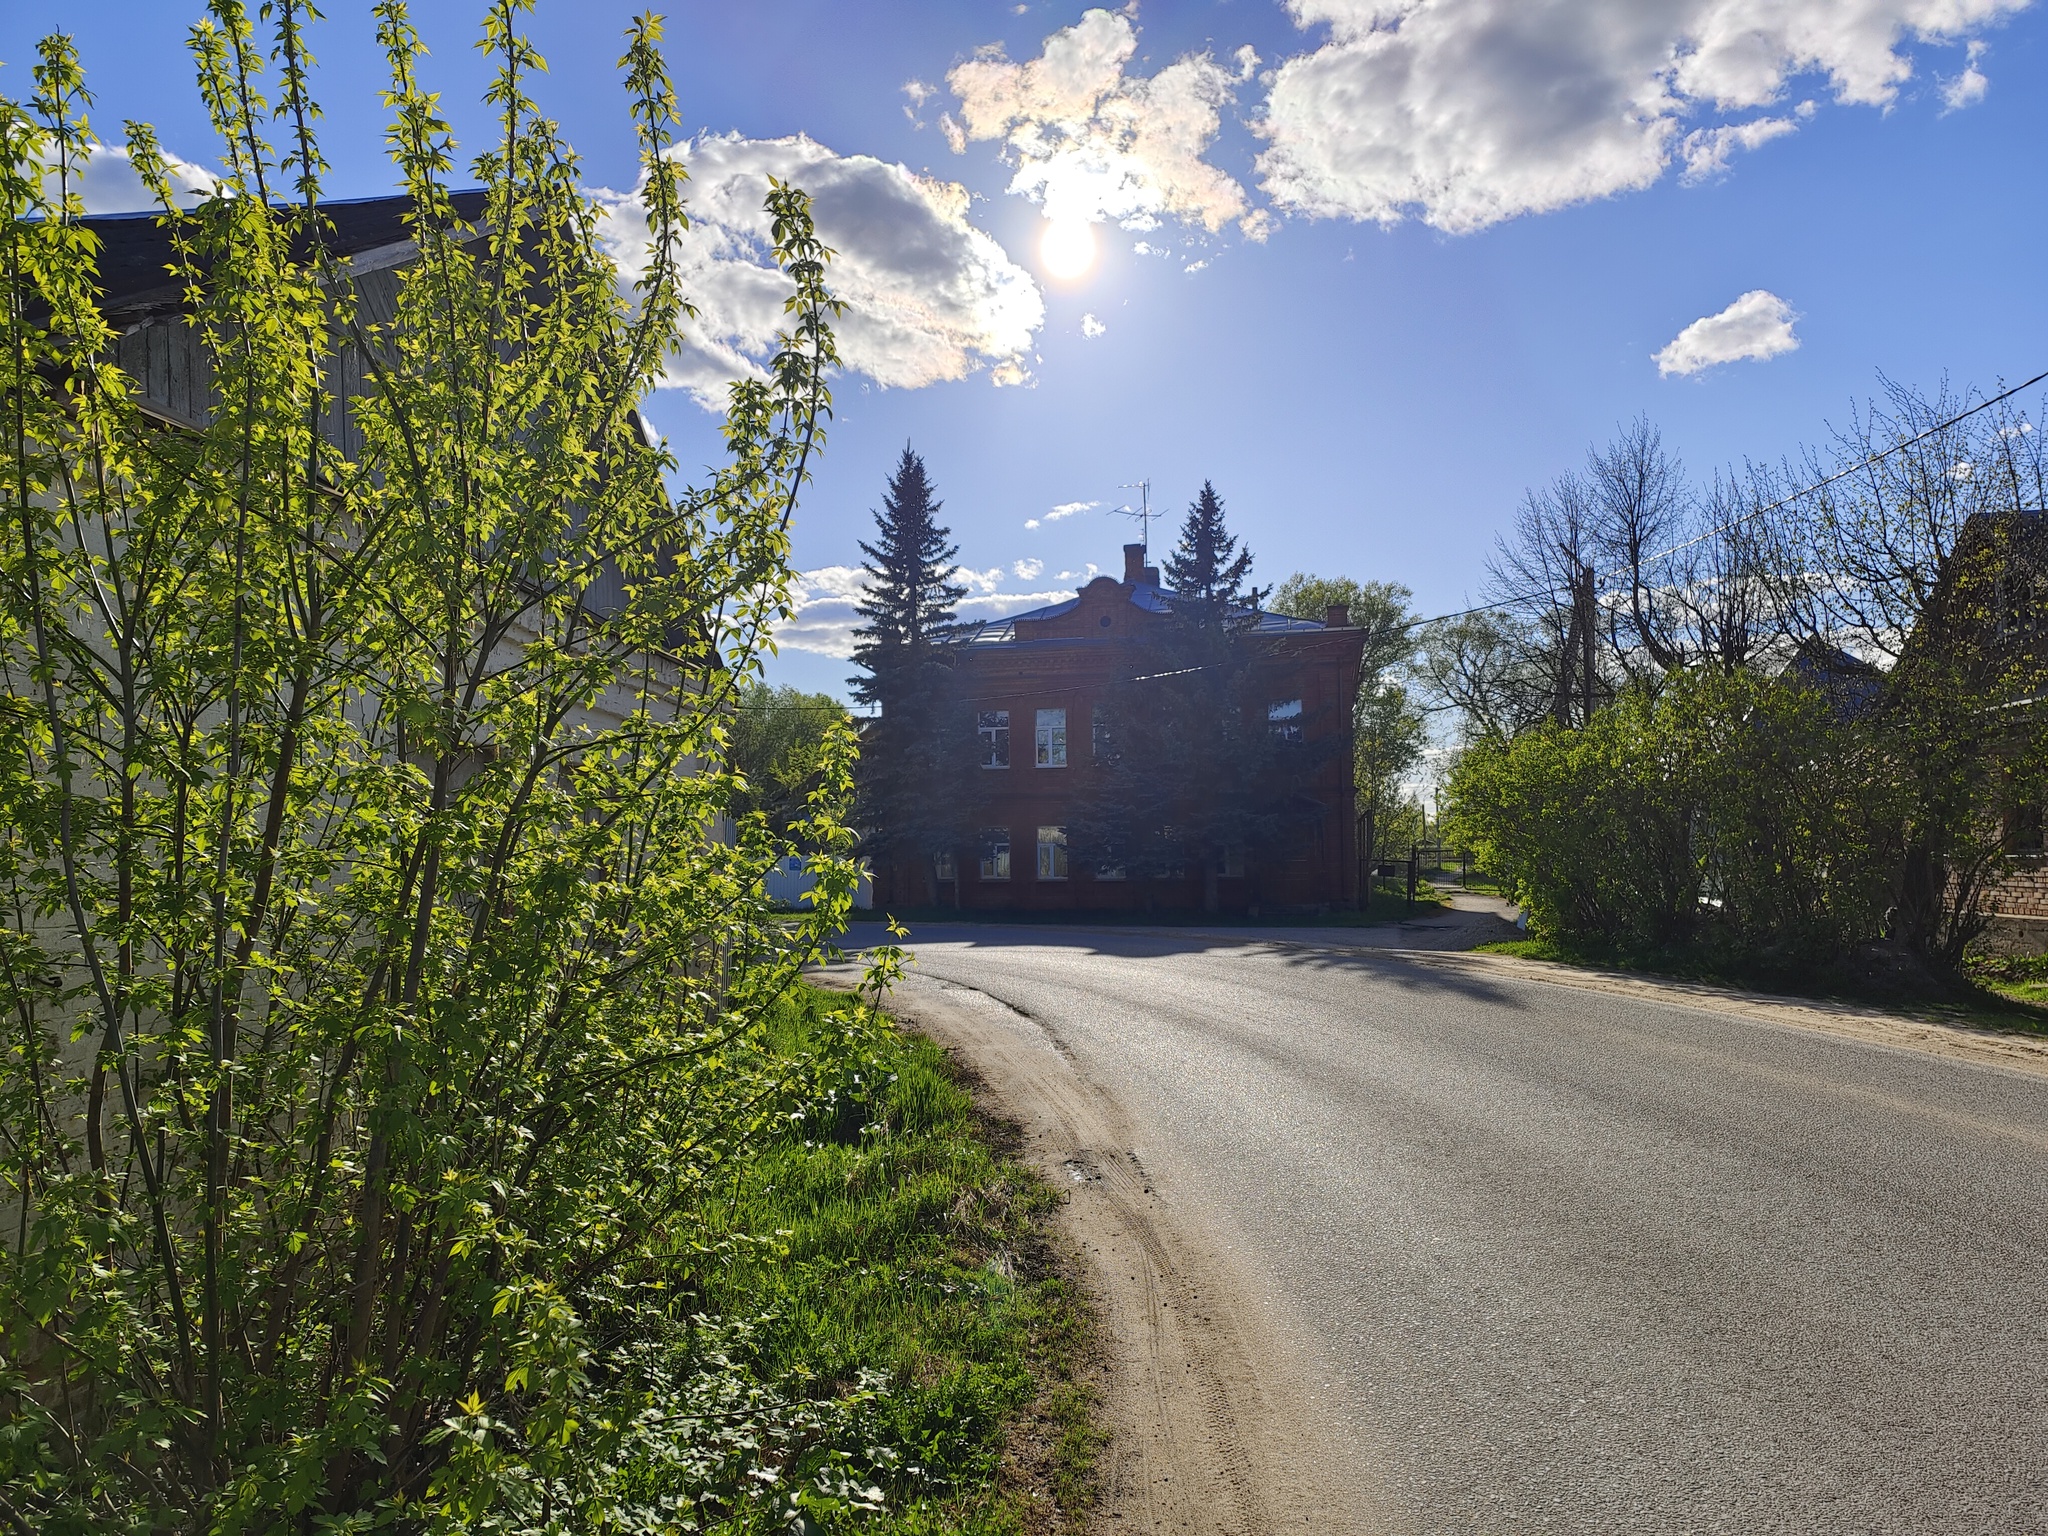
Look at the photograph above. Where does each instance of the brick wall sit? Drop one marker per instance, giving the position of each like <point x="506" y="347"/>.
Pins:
<point x="2023" y="893"/>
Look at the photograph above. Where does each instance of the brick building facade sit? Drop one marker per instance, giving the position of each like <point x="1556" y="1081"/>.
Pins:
<point x="1031" y="687"/>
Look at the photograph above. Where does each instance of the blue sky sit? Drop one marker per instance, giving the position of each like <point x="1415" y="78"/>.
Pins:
<point x="1437" y="246"/>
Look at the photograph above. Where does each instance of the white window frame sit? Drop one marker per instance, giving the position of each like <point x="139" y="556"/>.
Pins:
<point x="1283" y="719"/>
<point x="993" y="727"/>
<point x="1052" y="738"/>
<point x="1052" y="853"/>
<point x="944" y="867"/>
<point x="995" y="853"/>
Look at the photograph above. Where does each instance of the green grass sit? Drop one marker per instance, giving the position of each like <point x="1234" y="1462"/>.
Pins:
<point x="891" y="1238"/>
<point x="1476" y="880"/>
<point x="2019" y="979"/>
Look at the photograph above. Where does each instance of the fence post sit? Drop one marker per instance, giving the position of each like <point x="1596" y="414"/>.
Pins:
<point x="1365" y="858"/>
<point x="1414" y="869"/>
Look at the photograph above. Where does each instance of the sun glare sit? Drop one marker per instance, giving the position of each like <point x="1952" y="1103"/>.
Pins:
<point x="1068" y="248"/>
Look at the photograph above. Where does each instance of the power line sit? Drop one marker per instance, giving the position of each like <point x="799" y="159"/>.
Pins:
<point x="1818" y="485"/>
<point x="1754" y="513"/>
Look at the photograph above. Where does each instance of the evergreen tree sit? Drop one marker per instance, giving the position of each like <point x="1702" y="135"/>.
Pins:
<point x="907" y="806"/>
<point x="908" y="604"/>
<point x="1206" y="569"/>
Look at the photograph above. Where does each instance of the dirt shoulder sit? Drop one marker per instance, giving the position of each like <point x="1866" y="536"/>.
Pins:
<point x="1900" y="1031"/>
<point x="1212" y="1421"/>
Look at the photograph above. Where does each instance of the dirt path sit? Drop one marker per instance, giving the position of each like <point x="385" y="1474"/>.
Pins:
<point x="1213" y="1423"/>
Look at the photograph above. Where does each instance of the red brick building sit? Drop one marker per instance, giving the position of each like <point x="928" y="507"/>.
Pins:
<point x="1033" y="684"/>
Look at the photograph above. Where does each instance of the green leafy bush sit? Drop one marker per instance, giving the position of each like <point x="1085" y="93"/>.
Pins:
<point x="1739" y="815"/>
<point x="385" y="1006"/>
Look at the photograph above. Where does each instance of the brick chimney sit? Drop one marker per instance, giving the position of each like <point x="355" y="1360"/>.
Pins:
<point x="1337" y="616"/>
<point x="1134" y="563"/>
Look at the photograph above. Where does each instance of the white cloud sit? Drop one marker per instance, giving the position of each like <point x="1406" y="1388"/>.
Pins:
<point x="929" y="297"/>
<point x="1093" y="570"/>
<point x="1065" y="509"/>
<point x="825" y="601"/>
<point x="1968" y="88"/>
<point x="825" y="618"/>
<point x="1195" y="266"/>
<point x="999" y="605"/>
<point x="1756" y="326"/>
<point x="1092" y="327"/>
<point x="977" y="581"/>
<point x="1467" y="112"/>
<point x="1093" y="143"/>
<point x="1707" y="150"/>
<point x="110" y="183"/>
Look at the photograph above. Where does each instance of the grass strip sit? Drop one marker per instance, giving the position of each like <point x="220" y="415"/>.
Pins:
<point x="891" y="1248"/>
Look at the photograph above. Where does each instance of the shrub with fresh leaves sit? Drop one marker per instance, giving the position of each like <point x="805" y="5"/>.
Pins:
<point x="382" y="1002"/>
<point x="1742" y="815"/>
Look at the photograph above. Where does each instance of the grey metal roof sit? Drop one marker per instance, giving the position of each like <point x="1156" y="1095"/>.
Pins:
<point x="1144" y="596"/>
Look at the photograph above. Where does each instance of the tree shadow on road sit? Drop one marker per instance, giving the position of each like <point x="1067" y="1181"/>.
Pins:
<point x="1395" y="955"/>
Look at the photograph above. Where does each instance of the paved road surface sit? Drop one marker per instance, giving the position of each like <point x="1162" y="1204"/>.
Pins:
<point x="1553" y="1260"/>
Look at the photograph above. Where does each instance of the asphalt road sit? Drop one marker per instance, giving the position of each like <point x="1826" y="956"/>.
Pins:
<point x="1566" y="1261"/>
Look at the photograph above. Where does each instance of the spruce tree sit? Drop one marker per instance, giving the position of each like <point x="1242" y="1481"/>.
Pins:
<point x="1206" y="569"/>
<point x="908" y="604"/>
<point x="908" y="801"/>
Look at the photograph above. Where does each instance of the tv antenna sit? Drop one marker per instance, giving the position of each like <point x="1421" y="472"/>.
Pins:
<point x="1142" y="512"/>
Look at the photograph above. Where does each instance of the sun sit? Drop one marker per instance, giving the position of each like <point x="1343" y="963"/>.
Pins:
<point x="1068" y="248"/>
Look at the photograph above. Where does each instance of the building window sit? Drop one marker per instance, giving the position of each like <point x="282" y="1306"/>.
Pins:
<point x="1173" y="854"/>
<point x="944" y="867"/>
<point x="1052" y="738"/>
<point x="995" y="853"/>
<point x="1229" y="861"/>
<point x="1284" y="719"/>
<point x="1052" y="853"/>
<point x="993" y="726"/>
<point x="2022" y="820"/>
<point x="1102" y="739"/>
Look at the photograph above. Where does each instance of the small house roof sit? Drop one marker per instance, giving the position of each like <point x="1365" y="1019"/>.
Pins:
<point x="135" y="252"/>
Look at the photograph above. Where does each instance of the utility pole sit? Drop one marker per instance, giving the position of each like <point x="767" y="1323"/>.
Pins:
<point x="1588" y="616"/>
<point x="1576" y="677"/>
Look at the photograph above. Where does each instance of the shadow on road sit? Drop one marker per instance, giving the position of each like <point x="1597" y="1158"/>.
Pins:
<point x="1387" y="953"/>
